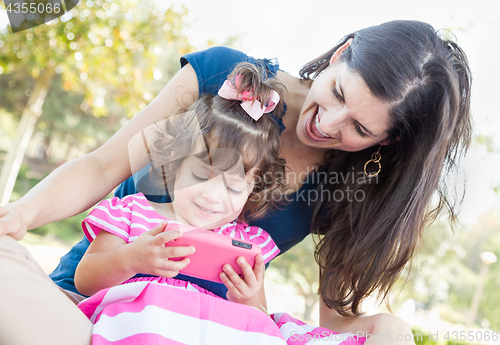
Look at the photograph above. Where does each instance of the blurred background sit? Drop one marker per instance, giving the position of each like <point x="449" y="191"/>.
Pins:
<point x="68" y="85"/>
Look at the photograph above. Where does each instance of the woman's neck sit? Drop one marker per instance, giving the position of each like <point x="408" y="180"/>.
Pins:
<point x="299" y="157"/>
<point x="295" y="95"/>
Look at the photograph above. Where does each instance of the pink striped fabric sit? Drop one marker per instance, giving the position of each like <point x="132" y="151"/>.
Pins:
<point x="296" y="332"/>
<point x="129" y="217"/>
<point x="152" y="313"/>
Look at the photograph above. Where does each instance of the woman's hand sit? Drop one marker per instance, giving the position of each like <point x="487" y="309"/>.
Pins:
<point x="245" y="290"/>
<point x="11" y="223"/>
<point x="150" y="256"/>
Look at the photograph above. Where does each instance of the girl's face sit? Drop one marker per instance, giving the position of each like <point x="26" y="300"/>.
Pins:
<point x="207" y="198"/>
<point x="341" y="113"/>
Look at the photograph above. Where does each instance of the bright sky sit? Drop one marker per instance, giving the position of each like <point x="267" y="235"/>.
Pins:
<point x="297" y="31"/>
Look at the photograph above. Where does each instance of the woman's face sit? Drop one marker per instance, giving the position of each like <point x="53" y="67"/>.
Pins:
<point x="341" y="113"/>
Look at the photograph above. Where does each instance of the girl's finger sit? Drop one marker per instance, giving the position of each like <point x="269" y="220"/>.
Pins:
<point x="230" y="286"/>
<point x="234" y="277"/>
<point x="246" y="269"/>
<point x="258" y="268"/>
<point x="159" y="228"/>
<point x="170" y="265"/>
<point x="167" y="236"/>
<point x="177" y="252"/>
<point x="232" y="291"/>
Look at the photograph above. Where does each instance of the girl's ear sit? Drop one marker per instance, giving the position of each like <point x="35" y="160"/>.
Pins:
<point x="340" y="50"/>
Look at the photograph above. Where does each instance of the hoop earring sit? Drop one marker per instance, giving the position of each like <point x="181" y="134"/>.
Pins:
<point x="375" y="158"/>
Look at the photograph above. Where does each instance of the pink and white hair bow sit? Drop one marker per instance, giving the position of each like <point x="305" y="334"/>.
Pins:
<point x="253" y="107"/>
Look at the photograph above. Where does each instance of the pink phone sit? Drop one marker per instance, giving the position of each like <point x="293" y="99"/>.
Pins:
<point x="212" y="252"/>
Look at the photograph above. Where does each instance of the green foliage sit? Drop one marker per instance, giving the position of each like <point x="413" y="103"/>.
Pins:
<point x="112" y="58"/>
<point x="446" y="269"/>
<point x="106" y="50"/>
<point x="422" y="338"/>
<point x="298" y="267"/>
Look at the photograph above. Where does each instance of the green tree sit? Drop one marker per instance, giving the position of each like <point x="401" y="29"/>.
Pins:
<point x="446" y="269"/>
<point x="298" y="267"/>
<point x="104" y="50"/>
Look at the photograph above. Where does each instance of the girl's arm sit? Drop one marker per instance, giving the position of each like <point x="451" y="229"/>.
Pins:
<point x="381" y="327"/>
<point x="109" y="260"/>
<point x="80" y="184"/>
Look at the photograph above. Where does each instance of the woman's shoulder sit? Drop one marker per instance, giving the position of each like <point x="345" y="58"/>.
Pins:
<point x="215" y="53"/>
<point x="213" y="65"/>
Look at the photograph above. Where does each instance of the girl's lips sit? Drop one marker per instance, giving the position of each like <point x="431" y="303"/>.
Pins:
<point x="311" y="130"/>
<point x="205" y="211"/>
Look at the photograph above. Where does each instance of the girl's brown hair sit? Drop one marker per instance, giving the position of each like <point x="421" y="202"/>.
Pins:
<point x="223" y="124"/>
<point x="365" y="244"/>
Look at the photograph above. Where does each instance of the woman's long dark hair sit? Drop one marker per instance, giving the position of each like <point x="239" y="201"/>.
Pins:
<point x="365" y="244"/>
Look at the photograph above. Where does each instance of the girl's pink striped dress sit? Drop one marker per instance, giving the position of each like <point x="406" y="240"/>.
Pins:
<point x="156" y="310"/>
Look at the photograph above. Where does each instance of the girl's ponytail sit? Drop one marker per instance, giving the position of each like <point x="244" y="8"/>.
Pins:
<point x="249" y="79"/>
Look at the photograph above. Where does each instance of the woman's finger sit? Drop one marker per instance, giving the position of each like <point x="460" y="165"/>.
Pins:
<point x="11" y="224"/>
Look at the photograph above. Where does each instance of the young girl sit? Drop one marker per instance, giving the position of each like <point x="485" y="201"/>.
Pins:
<point x="218" y="161"/>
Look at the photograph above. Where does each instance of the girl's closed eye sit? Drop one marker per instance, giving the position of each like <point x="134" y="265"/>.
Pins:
<point x="234" y="191"/>
<point x="199" y="178"/>
<point x="202" y="179"/>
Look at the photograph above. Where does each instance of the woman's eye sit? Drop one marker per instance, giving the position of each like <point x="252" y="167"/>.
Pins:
<point x="198" y="178"/>
<point x="233" y="191"/>
<point x="360" y="131"/>
<point x="337" y="94"/>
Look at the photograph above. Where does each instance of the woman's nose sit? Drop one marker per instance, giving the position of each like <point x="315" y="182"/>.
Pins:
<point x="331" y="121"/>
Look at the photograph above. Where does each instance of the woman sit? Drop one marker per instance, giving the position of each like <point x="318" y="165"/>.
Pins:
<point x="375" y="120"/>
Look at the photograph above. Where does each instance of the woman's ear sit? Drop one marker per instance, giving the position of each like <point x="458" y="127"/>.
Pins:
<point x="340" y="50"/>
<point x="389" y="141"/>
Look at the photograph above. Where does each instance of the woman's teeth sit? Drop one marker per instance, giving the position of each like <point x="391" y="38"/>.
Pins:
<point x="316" y="122"/>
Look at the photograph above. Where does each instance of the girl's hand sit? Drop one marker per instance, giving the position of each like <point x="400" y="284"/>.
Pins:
<point x="150" y="256"/>
<point x="11" y="223"/>
<point x="244" y="291"/>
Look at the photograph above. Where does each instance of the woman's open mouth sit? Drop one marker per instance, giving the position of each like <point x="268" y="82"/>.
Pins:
<point x="312" y="128"/>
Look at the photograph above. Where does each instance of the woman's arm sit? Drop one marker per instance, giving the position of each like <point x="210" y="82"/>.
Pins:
<point x="79" y="184"/>
<point x="381" y="327"/>
<point x="110" y="261"/>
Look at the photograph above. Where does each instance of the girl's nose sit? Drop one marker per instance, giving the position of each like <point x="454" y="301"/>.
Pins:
<point x="214" y="190"/>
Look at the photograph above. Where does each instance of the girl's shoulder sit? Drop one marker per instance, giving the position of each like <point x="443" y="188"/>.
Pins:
<point x="125" y="217"/>
<point x="126" y="202"/>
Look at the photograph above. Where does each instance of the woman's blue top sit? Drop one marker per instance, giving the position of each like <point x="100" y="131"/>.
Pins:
<point x="287" y="225"/>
